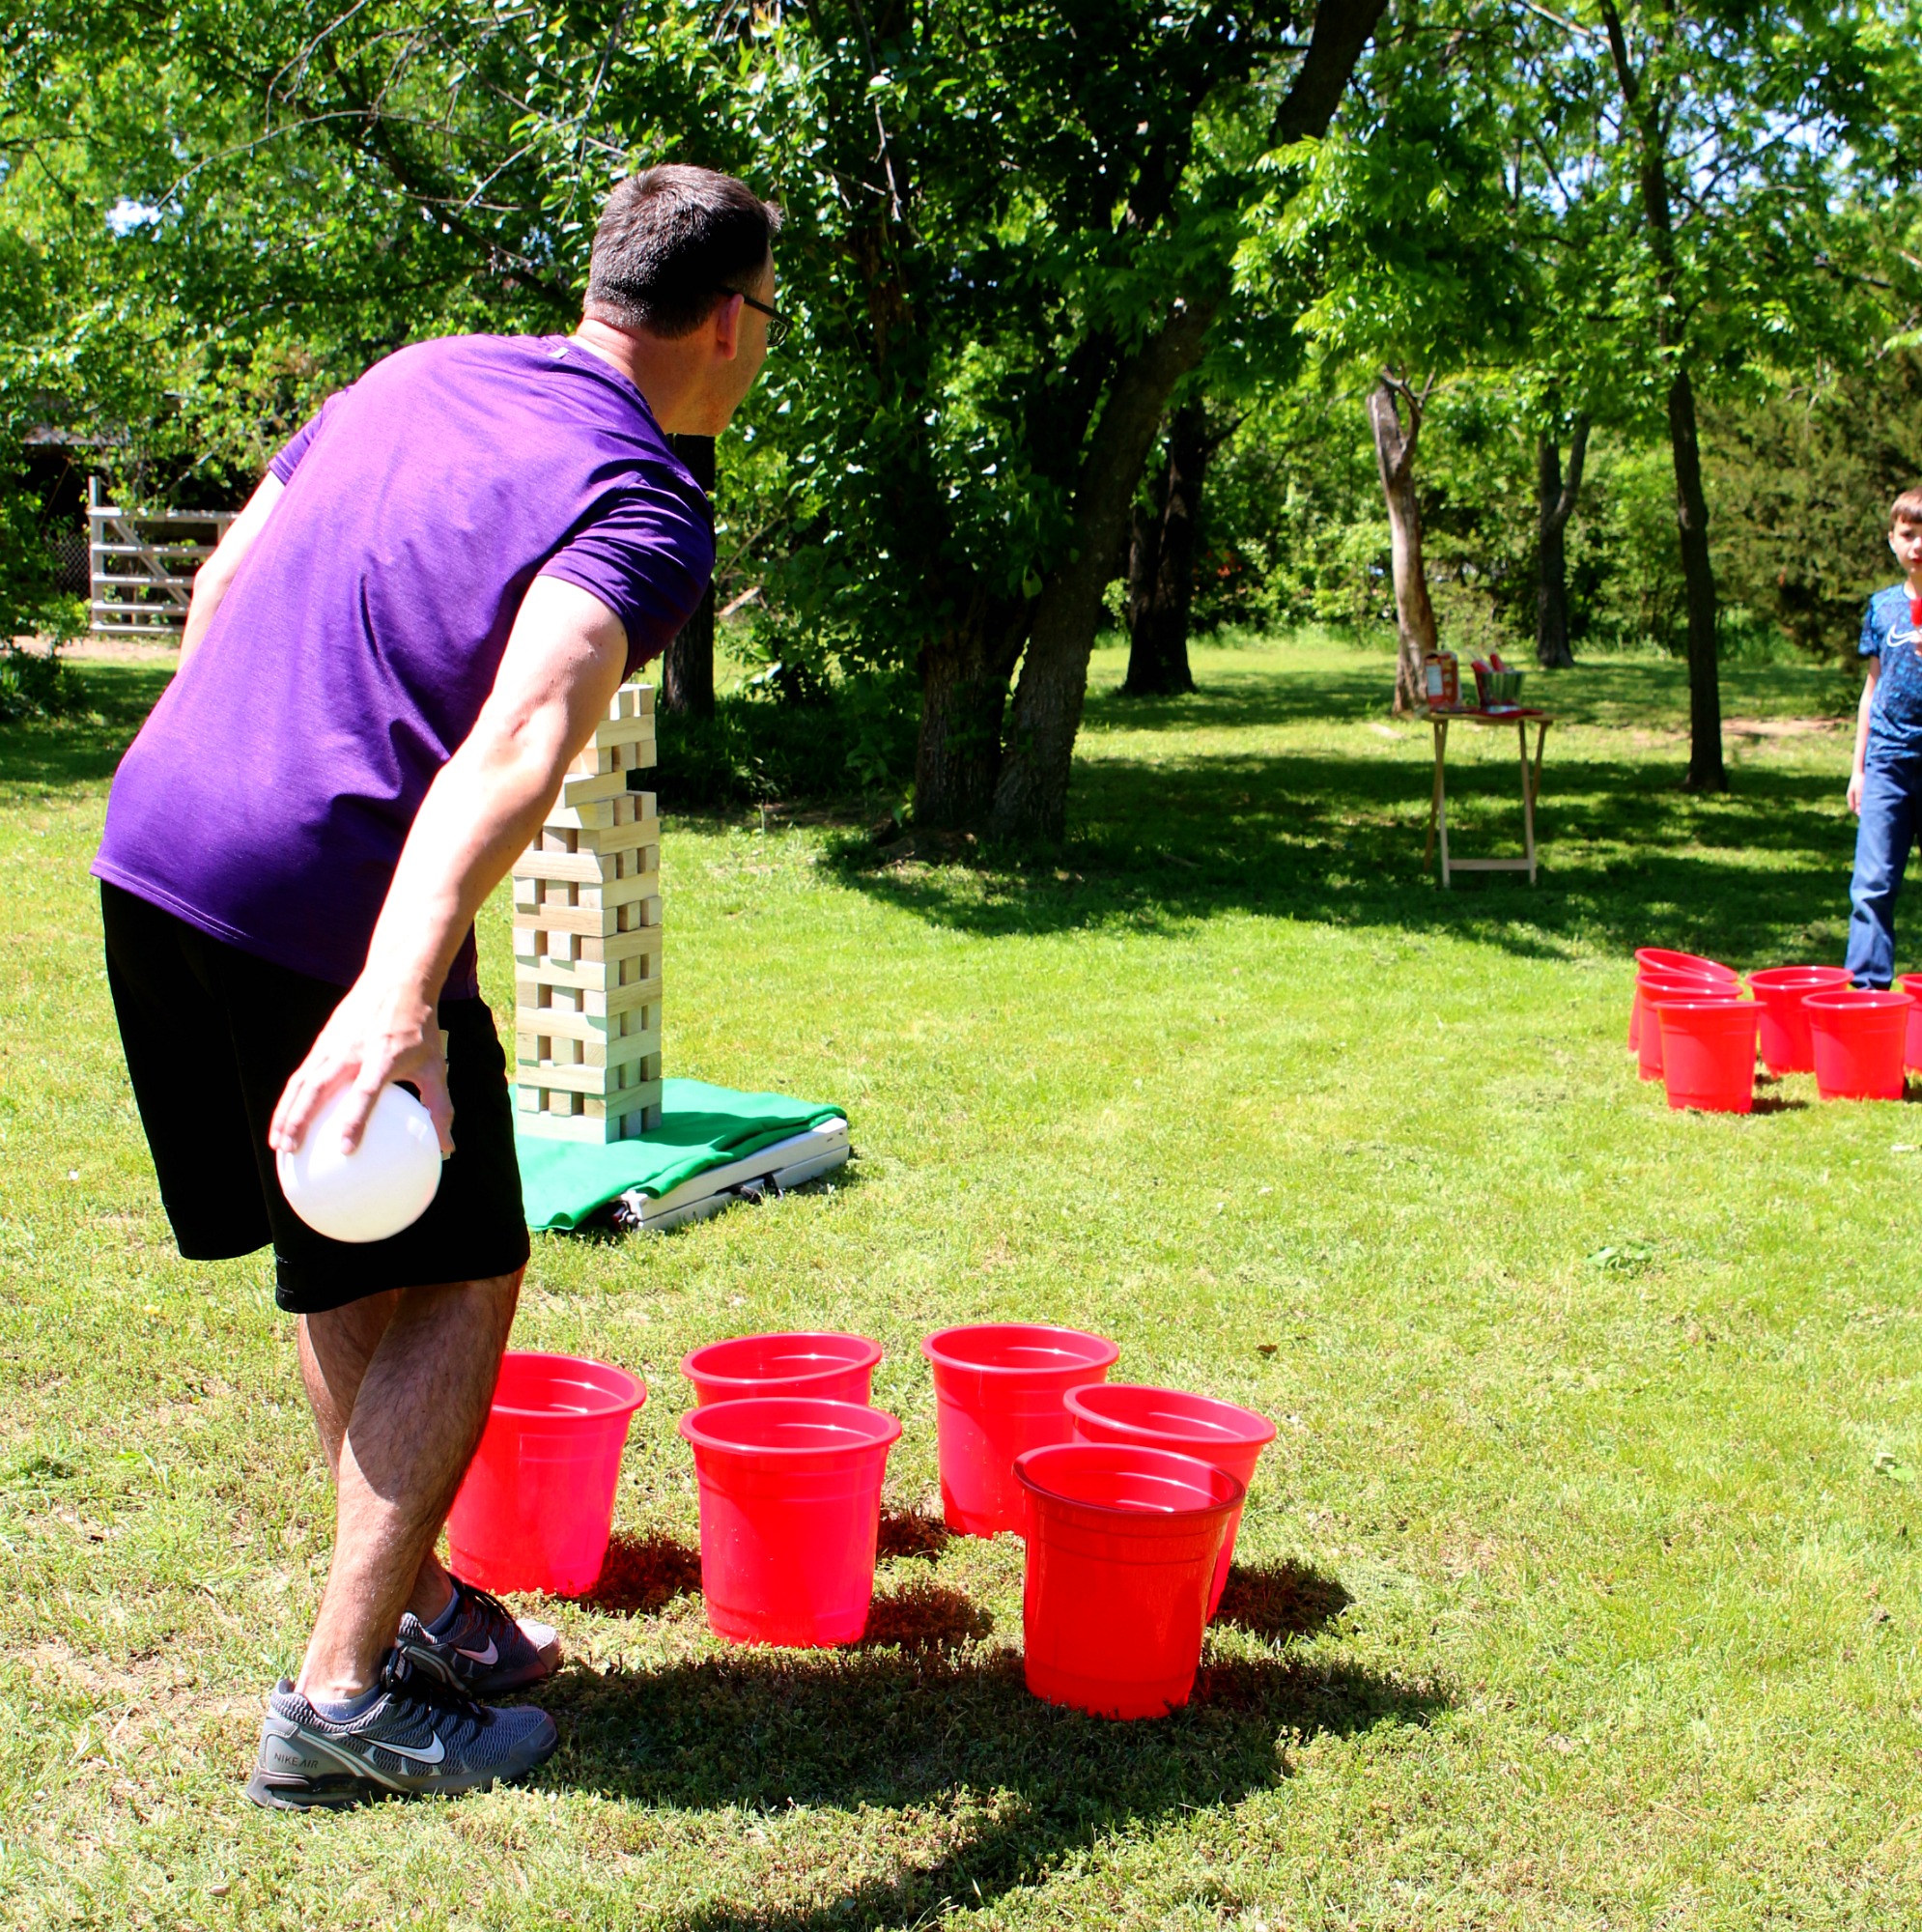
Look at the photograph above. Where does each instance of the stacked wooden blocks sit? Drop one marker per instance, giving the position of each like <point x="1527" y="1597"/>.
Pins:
<point x="587" y="944"/>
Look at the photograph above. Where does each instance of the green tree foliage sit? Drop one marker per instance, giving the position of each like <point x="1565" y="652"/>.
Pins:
<point x="1012" y="229"/>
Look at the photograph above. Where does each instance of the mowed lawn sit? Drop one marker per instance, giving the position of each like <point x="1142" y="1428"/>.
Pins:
<point x="1579" y="1590"/>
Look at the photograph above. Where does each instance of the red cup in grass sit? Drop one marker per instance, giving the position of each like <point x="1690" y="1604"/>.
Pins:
<point x="790" y="1502"/>
<point x="1653" y="987"/>
<point x="997" y="1392"/>
<point x="836" y="1368"/>
<point x="1660" y="959"/>
<point x="1709" y="1054"/>
<point x="537" y="1503"/>
<point x="1230" y="1438"/>
<point x="1123" y="1543"/>
<point x="1859" y="1035"/>
<point x="1782" y="1027"/>
<point x="1912" y="1051"/>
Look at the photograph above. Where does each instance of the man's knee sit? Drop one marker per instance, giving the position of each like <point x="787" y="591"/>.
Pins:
<point x="490" y="1299"/>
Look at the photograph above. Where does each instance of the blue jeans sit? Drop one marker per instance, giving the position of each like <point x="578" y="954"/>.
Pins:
<point x="1891" y="781"/>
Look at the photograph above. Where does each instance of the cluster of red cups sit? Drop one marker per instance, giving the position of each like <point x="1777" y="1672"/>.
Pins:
<point x="1128" y="1496"/>
<point x="1691" y="1027"/>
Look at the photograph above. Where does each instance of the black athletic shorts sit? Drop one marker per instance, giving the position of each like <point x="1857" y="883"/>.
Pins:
<point x="212" y="1036"/>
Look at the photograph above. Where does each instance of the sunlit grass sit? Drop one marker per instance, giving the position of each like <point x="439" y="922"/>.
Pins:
<point x="1574" y="1593"/>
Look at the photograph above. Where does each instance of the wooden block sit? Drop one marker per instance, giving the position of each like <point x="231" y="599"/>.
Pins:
<point x="627" y="746"/>
<point x="576" y="790"/>
<point x="563" y="853"/>
<point x="534" y="897"/>
<point x="592" y="976"/>
<point x="579" y="1044"/>
<point x="591" y="923"/>
<point x="646" y="1091"/>
<point x="632" y="701"/>
<point x="536" y="1002"/>
<point x="642" y="1116"/>
<point x="588" y="870"/>
<point x="595" y="1083"/>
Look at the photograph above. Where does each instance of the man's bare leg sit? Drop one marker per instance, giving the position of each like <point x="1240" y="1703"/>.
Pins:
<point x="418" y="1413"/>
<point x="335" y="1349"/>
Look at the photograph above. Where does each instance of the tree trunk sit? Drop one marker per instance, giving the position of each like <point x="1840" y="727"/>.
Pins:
<point x="1161" y="564"/>
<point x="1555" y="505"/>
<point x="1395" y="457"/>
<point x="1032" y="789"/>
<point x="964" y="696"/>
<point x="1647" y="112"/>
<point x="1706" y="770"/>
<point x="687" y="667"/>
<point x="1031" y="792"/>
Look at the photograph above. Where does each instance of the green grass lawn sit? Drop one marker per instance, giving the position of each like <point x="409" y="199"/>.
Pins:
<point x="1579" y="1589"/>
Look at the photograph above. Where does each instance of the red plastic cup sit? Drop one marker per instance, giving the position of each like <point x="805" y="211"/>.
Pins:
<point x="1709" y="1054"/>
<point x="1123" y="1543"/>
<point x="1652" y="988"/>
<point x="537" y="1503"/>
<point x="1232" y="1438"/>
<point x="836" y="1368"/>
<point x="1912" y="1050"/>
<point x="998" y="1393"/>
<point x="1659" y="959"/>
<point x="790" y="1502"/>
<point x="1859" y="1035"/>
<point x="1784" y="1027"/>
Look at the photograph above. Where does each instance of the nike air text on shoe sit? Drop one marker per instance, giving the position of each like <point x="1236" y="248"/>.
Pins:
<point x="480" y="1647"/>
<point x="421" y="1735"/>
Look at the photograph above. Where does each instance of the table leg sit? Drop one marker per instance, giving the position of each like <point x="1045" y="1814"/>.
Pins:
<point x="1441" y="793"/>
<point x="1541" y="732"/>
<point x="1527" y="797"/>
<point x="1434" y="796"/>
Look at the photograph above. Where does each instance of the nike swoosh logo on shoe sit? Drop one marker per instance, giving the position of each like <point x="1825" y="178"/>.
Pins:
<point x="484" y="1657"/>
<point x="433" y="1757"/>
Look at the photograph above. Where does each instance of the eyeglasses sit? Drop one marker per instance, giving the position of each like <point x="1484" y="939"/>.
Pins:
<point x="778" y="325"/>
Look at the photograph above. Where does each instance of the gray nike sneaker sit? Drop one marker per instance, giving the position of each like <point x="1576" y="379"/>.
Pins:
<point x="420" y="1736"/>
<point x="487" y="1650"/>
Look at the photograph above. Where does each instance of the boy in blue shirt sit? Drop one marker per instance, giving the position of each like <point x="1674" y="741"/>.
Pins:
<point x="1886" y="784"/>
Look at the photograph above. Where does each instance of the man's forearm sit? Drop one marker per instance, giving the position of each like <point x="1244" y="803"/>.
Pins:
<point x="480" y="814"/>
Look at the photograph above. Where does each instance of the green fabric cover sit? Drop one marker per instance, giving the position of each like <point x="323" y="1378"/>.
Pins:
<point x="562" y="1182"/>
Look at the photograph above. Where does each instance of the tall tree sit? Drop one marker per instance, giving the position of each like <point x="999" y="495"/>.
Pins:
<point x="1555" y="494"/>
<point x="1162" y="556"/>
<point x="1720" y="132"/>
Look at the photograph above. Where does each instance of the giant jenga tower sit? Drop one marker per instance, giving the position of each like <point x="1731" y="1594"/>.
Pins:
<point x="587" y="944"/>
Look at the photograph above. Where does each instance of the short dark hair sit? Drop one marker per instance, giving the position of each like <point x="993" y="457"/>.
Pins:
<point x="671" y="245"/>
<point x="1906" y="509"/>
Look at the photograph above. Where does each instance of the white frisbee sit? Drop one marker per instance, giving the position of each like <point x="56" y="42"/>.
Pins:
<point x="383" y="1186"/>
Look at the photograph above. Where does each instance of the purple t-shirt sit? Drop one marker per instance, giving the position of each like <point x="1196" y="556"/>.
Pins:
<point x="269" y="794"/>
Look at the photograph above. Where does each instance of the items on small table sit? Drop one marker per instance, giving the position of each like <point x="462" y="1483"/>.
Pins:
<point x="1521" y="718"/>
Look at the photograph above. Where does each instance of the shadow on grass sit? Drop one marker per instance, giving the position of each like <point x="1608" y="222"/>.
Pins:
<point x="1627" y="859"/>
<point x="642" y="1574"/>
<point x="41" y="755"/>
<point x="1278" y="1601"/>
<point x="1027" y="1783"/>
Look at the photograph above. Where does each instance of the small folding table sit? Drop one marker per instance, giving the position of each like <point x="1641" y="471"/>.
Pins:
<point x="1520" y="717"/>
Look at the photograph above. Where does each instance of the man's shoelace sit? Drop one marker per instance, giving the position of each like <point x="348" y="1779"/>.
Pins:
<point x="486" y="1600"/>
<point x="419" y="1687"/>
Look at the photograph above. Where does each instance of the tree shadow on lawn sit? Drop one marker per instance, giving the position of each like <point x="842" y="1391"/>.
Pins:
<point x="1627" y="860"/>
<point x="903" y="1726"/>
<point x="86" y="746"/>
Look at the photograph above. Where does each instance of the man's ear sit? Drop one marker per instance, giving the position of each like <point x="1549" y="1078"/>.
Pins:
<point x="727" y="328"/>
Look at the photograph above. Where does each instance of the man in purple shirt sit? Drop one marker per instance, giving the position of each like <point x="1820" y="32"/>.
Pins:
<point x="401" y="644"/>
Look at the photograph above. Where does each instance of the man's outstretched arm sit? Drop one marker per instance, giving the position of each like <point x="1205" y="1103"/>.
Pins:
<point x="559" y="673"/>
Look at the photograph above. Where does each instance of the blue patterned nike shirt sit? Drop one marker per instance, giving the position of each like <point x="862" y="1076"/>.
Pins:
<point x="1895" y="718"/>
